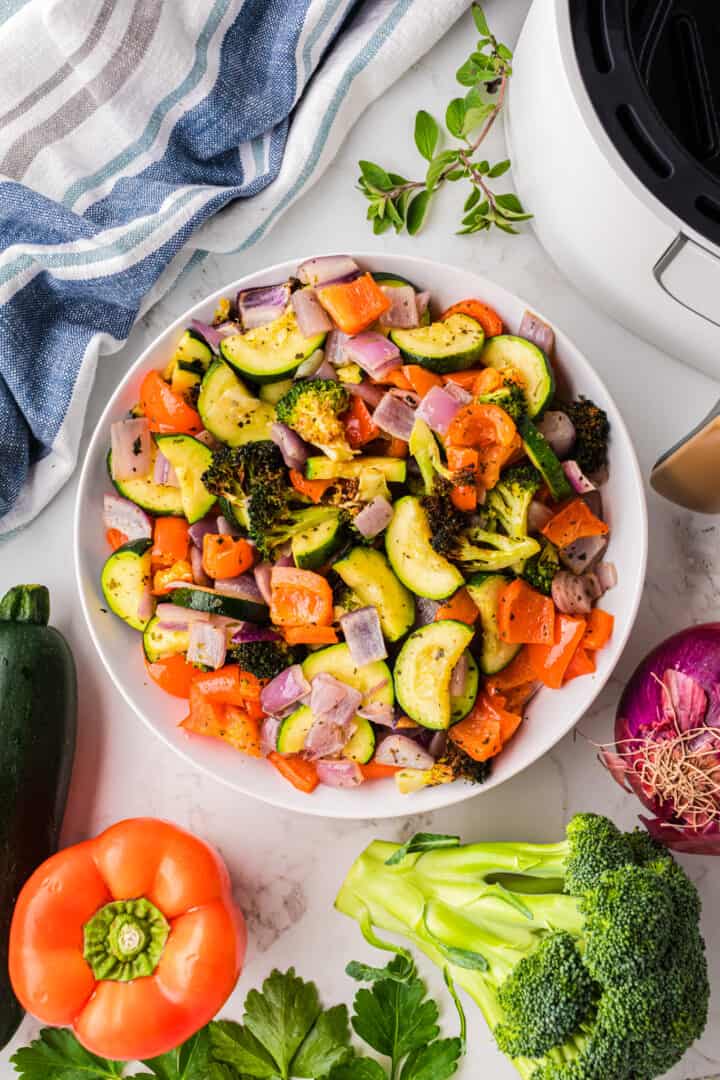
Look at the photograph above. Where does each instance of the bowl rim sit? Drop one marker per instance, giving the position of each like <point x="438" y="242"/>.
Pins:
<point x="440" y="796"/>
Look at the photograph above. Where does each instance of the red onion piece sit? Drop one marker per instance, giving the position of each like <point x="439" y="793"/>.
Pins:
<point x="538" y="516"/>
<point x="403" y="752"/>
<point x="607" y="575"/>
<point x="198" y="570"/>
<point x="685" y="702"/>
<point x="559" y="430"/>
<point x="173" y="613"/>
<point x="284" y="690"/>
<point x="262" y="574"/>
<point x="363" y="635"/>
<point x="327" y="736"/>
<point x="577" y="478"/>
<point x="131" y="449"/>
<point x="208" y="645"/>
<point x="262" y="305"/>
<point x="311" y="317"/>
<point x="146" y="603"/>
<point x="324" y="371"/>
<point x="214" y="334"/>
<point x="459" y="676"/>
<point x="308" y="367"/>
<point x="207" y="440"/>
<point x="339" y="774"/>
<point x="425" y="610"/>
<point x="176" y="626"/>
<point x="373" y="352"/>
<point x="374" y="517"/>
<point x="269" y="732"/>
<point x="245" y="587"/>
<point x="402" y="313"/>
<point x="574" y="594"/>
<point x="438" y="408"/>
<point x="534" y="329"/>
<point x="126" y="517"/>
<point x="372" y="395"/>
<point x="422" y="300"/>
<point x="438" y="744"/>
<point x="326" y="268"/>
<point x="248" y="631"/>
<point x="377" y="712"/>
<point x="198" y="531"/>
<point x="394" y="416"/>
<point x="584" y="553"/>
<point x="335" y="347"/>
<point x="163" y="472"/>
<point x="294" y="451"/>
<point x="458" y="392"/>
<point x="225" y="527"/>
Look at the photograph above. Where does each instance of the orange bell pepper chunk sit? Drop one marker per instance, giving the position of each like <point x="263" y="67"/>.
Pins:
<point x="115" y="538"/>
<point x="483" y="733"/>
<point x="550" y="662"/>
<point x="464" y="497"/>
<point x="524" y="615"/>
<point x="599" y="629"/>
<point x="165" y="410"/>
<point x="302" y="774"/>
<point x="171" y="541"/>
<point x="421" y="380"/>
<point x="582" y="663"/>
<point x="487" y="382"/>
<point x="518" y="672"/>
<point x="360" y="427"/>
<point x="459" y="607"/>
<point x="163" y="579"/>
<point x="393" y="378"/>
<point x="355" y="305"/>
<point x="462" y="459"/>
<point x="397" y="448"/>
<point x="572" y="522"/>
<point x="206" y="717"/>
<point x="172" y="674"/>
<point x="313" y="489"/>
<point x="242" y="731"/>
<point x="375" y="771"/>
<point x="225" y="556"/>
<point x="229" y="685"/>
<point x="481" y="425"/>
<point x="310" y="635"/>
<point x="467" y="377"/>
<point x="299" y="598"/>
<point x="488" y="317"/>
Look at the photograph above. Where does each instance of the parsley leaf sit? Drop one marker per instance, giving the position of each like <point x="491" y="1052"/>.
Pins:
<point x="360" y="1068"/>
<point x="281" y="1016"/>
<point x="236" y="1046"/>
<point x="57" y="1055"/>
<point x="327" y="1045"/>
<point x="395" y="1017"/>
<point x="437" y="1061"/>
<point x="191" y="1061"/>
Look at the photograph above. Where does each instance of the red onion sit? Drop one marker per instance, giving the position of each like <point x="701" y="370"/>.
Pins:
<point x="438" y="744"/>
<point x="335" y="347"/>
<point x="559" y="430"/>
<point x="574" y="594"/>
<point x="607" y="575"/>
<point x="373" y="352"/>
<point x="339" y="774"/>
<point x="329" y="696"/>
<point x="422" y="301"/>
<point x="372" y="395"/>
<point x="533" y="329"/>
<point x="377" y="712"/>
<point x="262" y="574"/>
<point x="248" y="631"/>
<point x="326" y="268"/>
<point x="459" y="676"/>
<point x="244" y="586"/>
<point x="394" y="416"/>
<point x="126" y="517"/>
<point x="425" y="610"/>
<point x="363" y="635"/>
<point x="198" y="570"/>
<point x="225" y="527"/>
<point x="262" y="305"/>
<point x="131" y="449"/>
<point x="374" y="517"/>
<point x="311" y="317"/>
<point x="438" y="408"/>
<point x="584" y="553"/>
<point x="269" y="734"/>
<point x="214" y="334"/>
<point x="169" y="613"/>
<point x="146" y="603"/>
<point x="208" y="440"/>
<point x="401" y="751"/>
<point x="538" y="516"/>
<point x="294" y="451"/>
<point x="176" y="625"/>
<point x="198" y="531"/>
<point x="458" y="392"/>
<point x="402" y="313"/>
<point x="308" y="367"/>
<point x="284" y="690"/>
<point x="163" y="472"/>
<point x="577" y="478"/>
<point x="324" y="371"/>
<point x="208" y="645"/>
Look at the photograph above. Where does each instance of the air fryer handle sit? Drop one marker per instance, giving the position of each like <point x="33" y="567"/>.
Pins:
<point x="691" y="275"/>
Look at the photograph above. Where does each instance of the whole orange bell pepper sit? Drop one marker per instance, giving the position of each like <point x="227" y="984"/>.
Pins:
<point x="131" y="939"/>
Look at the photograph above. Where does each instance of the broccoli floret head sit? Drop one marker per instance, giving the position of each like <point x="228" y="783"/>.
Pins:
<point x="264" y="659"/>
<point x="510" y="397"/>
<point x="237" y="473"/>
<point x="545" y="999"/>
<point x="510" y="499"/>
<point x="540" y="570"/>
<point x="273" y="521"/>
<point x="481" y="551"/>
<point x="592" y="429"/>
<point x="312" y="408"/>
<point x="447" y="523"/>
<point x="595" y="845"/>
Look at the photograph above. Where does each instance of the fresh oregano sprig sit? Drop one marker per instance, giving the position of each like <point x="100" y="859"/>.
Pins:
<point x="395" y="201"/>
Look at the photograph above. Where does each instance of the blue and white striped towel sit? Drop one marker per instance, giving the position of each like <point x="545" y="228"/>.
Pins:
<point x="125" y="125"/>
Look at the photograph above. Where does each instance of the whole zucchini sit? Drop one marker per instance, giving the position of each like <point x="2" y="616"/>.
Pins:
<point x="38" y="705"/>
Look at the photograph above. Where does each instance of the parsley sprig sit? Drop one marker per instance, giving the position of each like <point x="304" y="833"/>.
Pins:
<point x="395" y="201"/>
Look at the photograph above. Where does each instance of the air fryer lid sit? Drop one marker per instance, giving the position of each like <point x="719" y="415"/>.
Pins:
<point x="652" y="71"/>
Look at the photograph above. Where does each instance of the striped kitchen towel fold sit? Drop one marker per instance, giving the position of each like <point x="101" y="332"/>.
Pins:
<point x="125" y="125"/>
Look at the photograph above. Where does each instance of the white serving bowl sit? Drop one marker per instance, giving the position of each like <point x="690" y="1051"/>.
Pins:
<point x="551" y="713"/>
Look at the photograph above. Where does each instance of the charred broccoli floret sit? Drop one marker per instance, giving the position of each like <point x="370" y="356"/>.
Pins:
<point x="312" y="408"/>
<point x="239" y="473"/>
<point x="464" y="767"/>
<point x="510" y="397"/>
<point x="510" y="499"/>
<point x="447" y="523"/>
<point x="540" y="570"/>
<point x="592" y="429"/>
<point x="264" y="659"/>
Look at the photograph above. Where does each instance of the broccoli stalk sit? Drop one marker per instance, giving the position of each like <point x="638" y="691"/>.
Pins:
<point x="510" y="499"/>
<point x="312" y="408"/>
<point x="481" y="551"/>
<point x="584" y="956"/>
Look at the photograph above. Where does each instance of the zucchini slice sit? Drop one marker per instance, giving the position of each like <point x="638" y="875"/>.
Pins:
<point x="294" y="731"/>
<point x="229" y="411"/>
<point x="544" y="458"/>
<point x="192" y="352"/>
<point x="233" y="607"/>
<point x="392" y="280"/>
<point x="445" y="346"/>
<point x="190" y="458"/>
<point x="271" y="392"/>
<point x="271" y="352"/>
<point x="367" y="572"/>
<point x="336" y="660"/>
<point x="124" y="579"/>
<point x="313" y="548"/>
<point x="485" y="591"/>
<point x="323" y="468"/>
<point x="159" y="643"/>
<point x="155" y="498"/>
<point x="424" y="668"/>
<point x="508" y="353"/>
<point x="461" y="704"/>
<point x="412" y="557"/>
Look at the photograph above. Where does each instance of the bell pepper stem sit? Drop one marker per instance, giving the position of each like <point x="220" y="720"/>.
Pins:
<point x="125" y="939"/>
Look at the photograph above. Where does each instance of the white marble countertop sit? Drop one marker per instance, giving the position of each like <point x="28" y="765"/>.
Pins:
<point x="286" y="869"/>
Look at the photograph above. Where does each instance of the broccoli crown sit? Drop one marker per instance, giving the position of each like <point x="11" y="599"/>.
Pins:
<point x="592" y="429"/>
<point x="481" y="551"/>
<point x="463" y="766"/>
<point x="540" y="570"/>
<point x="273" y="521"/>
<point x="312" y="408"/>
<point x="510" y="499"/>
<point x="446" y="522"/>
<point x="510" y="397"/>
<point x="593" y="965"/>
<point x="235" y="471"/>
<point x="264" y="659"/>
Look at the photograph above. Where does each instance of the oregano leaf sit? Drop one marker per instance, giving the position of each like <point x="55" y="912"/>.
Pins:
<point x="426" y="134"/>
<point x="417" y="212"/>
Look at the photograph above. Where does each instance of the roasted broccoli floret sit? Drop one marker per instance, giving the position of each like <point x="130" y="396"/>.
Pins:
<point x="510" y="397"/>
<point x="464" y="767"/>
<point x="447" y="523"/>
<point x="585" y="956"/>
<point x="264" y="659"/>
<point x="592" y="429"/>
<point x="312" y="408"/>
<point x="479" y="550"/>
<point x="238" y="473"/>
<point x="540" y="570"/>
<point x="510" y="499"/>
<point x="273" y="522"/>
